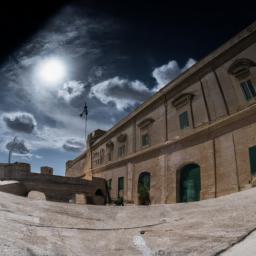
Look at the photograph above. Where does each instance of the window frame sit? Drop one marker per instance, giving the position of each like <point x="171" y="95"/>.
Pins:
<point x="248" y="89"/>
<point x="187" y="123"/>
<point x="148" y="139"/>
<point x="119" y="189"/>
<point x="109" y="183"/>
<point x="121" y="150"/>
<point x="252" y="159"/>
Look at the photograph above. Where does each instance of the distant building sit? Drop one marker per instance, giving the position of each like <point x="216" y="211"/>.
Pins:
<point x="194" y="139"/>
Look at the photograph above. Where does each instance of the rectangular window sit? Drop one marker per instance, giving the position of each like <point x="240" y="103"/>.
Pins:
<point x="121" y="151"/>
<point x="252" y="155"/>
<point x="109" y="155"/>
<point x="248" y="90"/>
<point x="184" y="120"/>
<point x="120" y="186"/>
<point x="109" y="184"/>
<point x="145" y="140"/>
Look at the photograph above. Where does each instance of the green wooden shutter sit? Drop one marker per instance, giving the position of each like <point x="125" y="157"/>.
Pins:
<point x="252" y="155"/>
<point x="110" y="184"/>
<point x="120" y="183"/>
<point x="145" y="139"/>
<point x="246" y="91"/>
<point x="184" y="120"/>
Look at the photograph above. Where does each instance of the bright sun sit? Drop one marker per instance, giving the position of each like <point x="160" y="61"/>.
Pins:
<point x="52" y="70"/>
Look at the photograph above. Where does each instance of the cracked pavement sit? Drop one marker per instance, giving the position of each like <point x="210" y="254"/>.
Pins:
<point x="210" y="227"/>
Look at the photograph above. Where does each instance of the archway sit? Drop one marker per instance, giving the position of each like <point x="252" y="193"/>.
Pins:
<point x="144" y="188"/>
<point x="99" y="192"/>
<point x="190" y="183"/>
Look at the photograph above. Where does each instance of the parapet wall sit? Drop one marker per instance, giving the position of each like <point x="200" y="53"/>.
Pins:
<point x="55" y="188"/>
<point x="22" y="167"/>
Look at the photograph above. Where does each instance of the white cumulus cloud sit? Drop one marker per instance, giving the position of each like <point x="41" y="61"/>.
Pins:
<point x="168" y="72"/>
<point x="71" y="90"/>
<point x="121" y="92"/>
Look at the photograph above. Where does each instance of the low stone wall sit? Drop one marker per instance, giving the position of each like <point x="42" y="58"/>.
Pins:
<point x="55" y="188"/>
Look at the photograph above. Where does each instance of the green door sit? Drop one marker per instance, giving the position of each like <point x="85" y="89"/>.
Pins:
<point x="144" y="188"/>
<point x="190" y="183"/>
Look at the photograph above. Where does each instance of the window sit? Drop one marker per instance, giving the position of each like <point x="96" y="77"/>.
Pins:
<point x="145" y="140"/>
<point x="96" y="158"/>
<point x="110" y="148"/>
<point x="109" y="155"/>
<point x="184" y="123"/>
<point x="121" y="151"/>
<point x="109" y="184"/>
<point x="252" y="155"/>
<point x="120" y="186"/>
<point x="248" y="90"/>
<point x="102" y="153"/>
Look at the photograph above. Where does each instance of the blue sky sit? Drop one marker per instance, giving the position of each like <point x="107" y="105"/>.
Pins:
<point x="113" y="63"/>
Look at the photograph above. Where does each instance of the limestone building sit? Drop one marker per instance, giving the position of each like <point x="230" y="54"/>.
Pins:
<point x="194" y="139"/>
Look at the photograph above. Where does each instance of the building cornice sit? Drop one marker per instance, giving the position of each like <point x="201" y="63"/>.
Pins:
<point x="222" y="54"/>
<point x="204" y="133"/>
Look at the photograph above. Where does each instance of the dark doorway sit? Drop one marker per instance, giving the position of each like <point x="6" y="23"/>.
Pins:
<point x="144" y="188"/>
<point x="190" y="183"/>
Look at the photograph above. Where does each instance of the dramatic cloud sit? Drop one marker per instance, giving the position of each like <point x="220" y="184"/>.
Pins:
<point x="20" y="121"/>
<point x="73" y="145"/>
<point x="71" y="90"/>
<point x="122" y="92"/>
<point x="169" y="72"/>
<point x="18" y="147"/>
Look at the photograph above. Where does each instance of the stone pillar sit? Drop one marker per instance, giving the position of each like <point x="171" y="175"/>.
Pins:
<point x="129" y="192"/>
<point x="163" y="177"/>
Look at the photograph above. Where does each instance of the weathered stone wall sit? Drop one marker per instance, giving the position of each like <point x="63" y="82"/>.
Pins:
<point x="77" y="167"/>
<point x="55" y="188"/>
<point x="221" y="129"/>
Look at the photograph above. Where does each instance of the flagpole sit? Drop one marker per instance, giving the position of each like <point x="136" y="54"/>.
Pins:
<point x="84" y="114"/>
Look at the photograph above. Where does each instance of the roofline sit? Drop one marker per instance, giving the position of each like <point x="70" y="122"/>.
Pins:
<point x="172" y="85"/>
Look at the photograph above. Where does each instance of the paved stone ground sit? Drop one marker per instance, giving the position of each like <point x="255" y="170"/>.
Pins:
<point x="30" y="227"/>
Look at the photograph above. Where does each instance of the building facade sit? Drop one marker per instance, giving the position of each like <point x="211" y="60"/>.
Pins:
<point x="194" y="139"/>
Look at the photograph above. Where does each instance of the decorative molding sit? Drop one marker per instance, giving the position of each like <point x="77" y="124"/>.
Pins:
<point x="146" y="122"/>
<point x="207" y="133"/>
<point x="240" y="68"/>
<point x="122" y="137"/>
<point x="182" y="100"/>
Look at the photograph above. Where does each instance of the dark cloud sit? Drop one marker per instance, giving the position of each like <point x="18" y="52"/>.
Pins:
<point x="18" y="147"/>
<point x="20" y="121"/>
<point x="73" y="145"/>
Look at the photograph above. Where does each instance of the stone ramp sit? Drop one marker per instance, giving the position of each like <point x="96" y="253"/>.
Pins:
<point x="30" y="227"/>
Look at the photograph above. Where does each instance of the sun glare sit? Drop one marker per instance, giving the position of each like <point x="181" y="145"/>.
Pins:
<point x="52" y="70"/>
